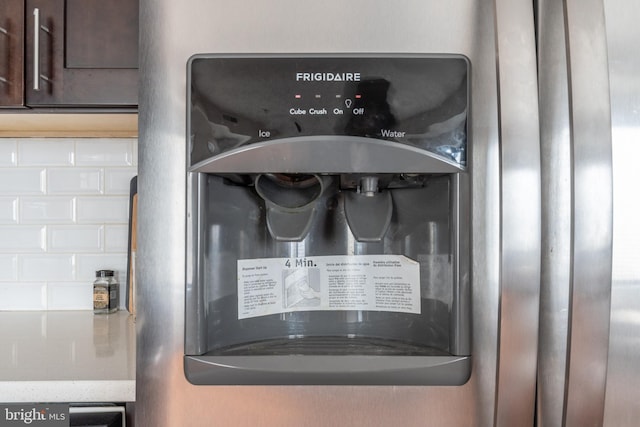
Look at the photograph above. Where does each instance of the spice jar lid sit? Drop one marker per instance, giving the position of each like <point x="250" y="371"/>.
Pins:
<point x="104" y="273"/>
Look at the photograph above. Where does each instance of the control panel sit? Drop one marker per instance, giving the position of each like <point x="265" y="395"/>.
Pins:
<point x="417" y="100"/>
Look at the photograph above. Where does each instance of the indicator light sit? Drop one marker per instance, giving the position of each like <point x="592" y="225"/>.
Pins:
<point x="358" y="96"/>
<point x="298" y="96"/>
<point x="318" y="96"/>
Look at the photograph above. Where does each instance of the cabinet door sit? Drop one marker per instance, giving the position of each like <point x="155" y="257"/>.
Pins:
<point x="11" y="53"/>
<point x="84" y="53"/>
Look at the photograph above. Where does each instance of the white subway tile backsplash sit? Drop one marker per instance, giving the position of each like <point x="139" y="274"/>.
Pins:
<point x="89" y="264"/>
<point x="64" y="212"/>
<point x="103" y="209"/>
<point x="116" y="238"/>
<point x="23" y="296"/>
<point x="70" y="296"/>
<point x="75" y="238"/>
<point x="8" y="210"/>
<point x="8" y="153"/>
<point x="22" y="238"/>
<point x="105" y="152"/>
<point x="135" y="154"/>
<point x="47" y="210"/>
<point x="19" y="181"/>
<point x="75" y="181"/>
<point x="8" y="268"/>
<point x="45" y="152"/>
<point x="118" y="180"/>
<point x="46" y="267"/>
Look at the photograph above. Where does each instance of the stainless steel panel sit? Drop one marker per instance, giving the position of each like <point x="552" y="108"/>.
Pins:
<point x="577" y="212"/>
<point x="170" y="33"/>
<point x="520" y="213"/>
<point x="555" y="146"/>
<point x="622" y="392"/>
<point x="592" y="213"/>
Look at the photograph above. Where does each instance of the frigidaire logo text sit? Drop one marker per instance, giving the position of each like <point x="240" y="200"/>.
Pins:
<point x="327" y="77"/>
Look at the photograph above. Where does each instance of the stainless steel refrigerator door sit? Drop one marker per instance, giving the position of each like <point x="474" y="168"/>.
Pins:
<point x="505" y="205"/>
<point x="577" y="213"/>
<point x="622" y="392"/>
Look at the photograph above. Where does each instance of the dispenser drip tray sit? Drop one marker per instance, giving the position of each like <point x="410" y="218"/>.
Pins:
<point x="325" y="346"/>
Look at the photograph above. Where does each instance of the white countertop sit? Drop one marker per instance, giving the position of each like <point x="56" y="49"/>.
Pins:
<point x="67" y="356"/>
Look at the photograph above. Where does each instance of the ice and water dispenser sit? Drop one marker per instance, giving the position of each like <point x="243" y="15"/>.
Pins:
<point x="328" y="220"/>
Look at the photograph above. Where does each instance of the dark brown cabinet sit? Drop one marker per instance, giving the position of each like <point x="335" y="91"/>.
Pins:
<point x="80" y="53"/>
<point x="11" y="53"/>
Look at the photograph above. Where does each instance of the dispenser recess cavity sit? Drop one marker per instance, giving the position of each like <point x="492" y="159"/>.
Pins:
<point x="328" y="220"/>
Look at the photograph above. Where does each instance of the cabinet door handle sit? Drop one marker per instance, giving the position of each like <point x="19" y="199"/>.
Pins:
<point x="6" y="33"/>
<point x="36" y="49"/>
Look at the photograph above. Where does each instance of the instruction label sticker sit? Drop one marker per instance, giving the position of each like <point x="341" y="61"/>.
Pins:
<point x="357" y="282"/>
